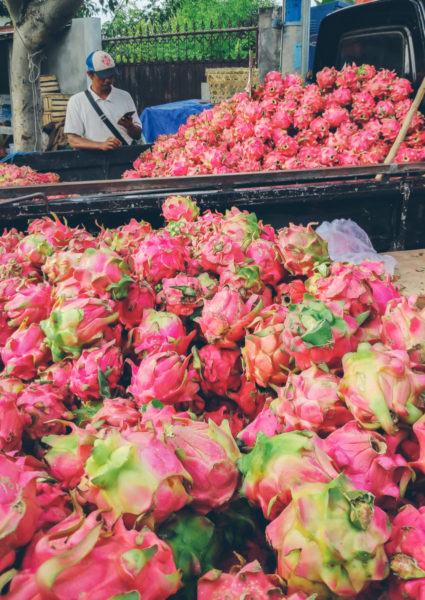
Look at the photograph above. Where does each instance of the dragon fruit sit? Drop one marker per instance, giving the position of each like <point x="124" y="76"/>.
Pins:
<point x="367" y="460"/>
<point x="76" y="324"/>
<point x="381" y="388"/>
<point x="403" y="326"/>
<point x="25" y="351"/>
<point x="166" y="376"/>
<point x="208" y="453"/>
<point x="266" y="359"/>
<point x="404" y="550"/>
<point x="55" y="503"/>
<point x="276" y="466"/>
<point x="31" y="303"/>
<point x="225" y="317"/>
<point x="96" y="372"/>
<point x="118" y="413"/>
<point x="160" y="256"/>
<point x="265" y="255"/>
<point x="219" y="369"/>
<point x="104" y="273"/>
<point x="265" y="422"/>
<point x="160" y="331"/>
<point x="247" y="581"/>
<point x="12" y="423"/>
<point x="77" y="555"/>
<point x="180" y="295"/>
<point x="244" y="277"/>
<point x="67" y="454"/>
<point x="19" y="510"/>
<point x="302" y="249"/>
<point x="175" y="208"/>
<point x="310" y="400"/>
<point x="218" y="251"/>
<point x="140" y="296"/>
<point x="43" y="403"/>
<point x="58" y="234"/>
<point x="34" y="248"/>
<point x="136" y="475"/>
<point x="318" y="332"/>
<point x="330" y="539"/>
<point x="248" y="398"/>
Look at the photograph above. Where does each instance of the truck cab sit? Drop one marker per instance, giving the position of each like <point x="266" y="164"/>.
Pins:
<point x="385" y="33"/>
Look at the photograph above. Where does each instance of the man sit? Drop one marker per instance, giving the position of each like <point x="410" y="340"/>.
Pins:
<point x="117" y="124"/>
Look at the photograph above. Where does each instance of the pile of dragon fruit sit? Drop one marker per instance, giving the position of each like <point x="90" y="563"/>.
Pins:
<point x="349" y="117"/>
<point x="211" y="410"/>
<point x="13" y="175"/>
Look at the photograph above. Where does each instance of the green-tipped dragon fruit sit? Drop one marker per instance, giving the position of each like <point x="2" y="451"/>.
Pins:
<point x="330" y="540"/>
<point x="266" y="359"/>
<point x="381" y="388"/>
<point x="277" y="465"/>
<point x="403" y="326"/>
<point x="175" y="208"/>
<point x="104" y="273"/>
<point x="77" y="324"/>
<point x="135" y="474"/>
<point x="318" y="332"/>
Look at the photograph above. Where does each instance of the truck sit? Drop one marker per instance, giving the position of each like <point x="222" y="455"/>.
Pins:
<point x="387" y="201"/>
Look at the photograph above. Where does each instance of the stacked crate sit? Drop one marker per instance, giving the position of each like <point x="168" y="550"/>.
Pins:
<point x="54" y="103"/>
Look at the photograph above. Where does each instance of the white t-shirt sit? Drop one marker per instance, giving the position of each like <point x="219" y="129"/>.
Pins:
<point x="81" y="118"/>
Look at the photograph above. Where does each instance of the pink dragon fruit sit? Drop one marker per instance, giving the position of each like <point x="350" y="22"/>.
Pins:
<point x="160" y="332"/>
<point x="310" y="400"/>
<point x="160" y="256"/>
<point x="326" y="78"/>
<point x="403" y="326"/>
<point x="381" y="387"/>
<point x="226" y="316"/>
<point x="165" y="376"/>
<point x="25" y="351"/>
<point x="335" y="116"/>
<point x="97" y="372"/>
<point x="266" y="421"/>
<point x="246" y="278"/>
<point x="367" y="460"/>
<point x="19" y="510"/>
<point x="318" y="332"/>
<point x="78" y="554"/>
<point x="103" y="272"/>
<point x="266" y="359"/>
<point x="31" y="303"/>
<point x="247" y="580"/>
<point x="61" y="265"/>
<point x="44" y="404"/>
<point x="34" y="248"/>
<point x="292" y="292"/>
<point x="12" y="423"/>
<point x="175" y="208"/>
<point x="341" y="528"/>
<point x="68" y="453"/>
<point x="58" y="374"/>
<point x="248" y="398"/>
<point x="208" y="453"/>
<point x="126" y="239"/>
<point x="404" y="550"/>
<point x="77" y="324"/>
<point x="302" y="249"/>
<point x="277" y="466"/>
<point x="180" y="295"/>
<point x="218" y="251"/>
<point x="58" y="234"/>
<point x="219" y="369"/>
<point x="136" y="475"/>
<point x="118" y="413"/>
<point x="140" y="296"/>
<point x="55" y="504"/>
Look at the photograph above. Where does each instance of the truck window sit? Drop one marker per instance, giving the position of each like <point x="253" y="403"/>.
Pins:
<point x="388" y="49"/>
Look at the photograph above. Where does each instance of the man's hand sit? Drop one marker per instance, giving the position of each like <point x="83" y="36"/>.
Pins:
<point x="109" y="144"/>
<point x="134" y="131"/>
<point x="126" y="121"/>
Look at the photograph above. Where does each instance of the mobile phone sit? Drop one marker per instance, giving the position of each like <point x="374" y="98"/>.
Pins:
<point x="128" y="114"/>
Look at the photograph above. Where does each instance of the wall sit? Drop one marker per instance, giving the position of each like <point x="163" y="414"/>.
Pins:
<point x="66" y="55"/>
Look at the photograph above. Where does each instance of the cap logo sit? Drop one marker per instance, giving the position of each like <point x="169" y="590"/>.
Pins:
<point x="106" y="60"/>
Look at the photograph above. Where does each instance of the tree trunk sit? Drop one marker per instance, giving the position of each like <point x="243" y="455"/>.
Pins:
<point x="26" y="98"/>
<point x="35" y="23"/>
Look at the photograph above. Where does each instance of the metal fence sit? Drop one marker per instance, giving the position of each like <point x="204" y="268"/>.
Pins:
<point x="166" y="44"/>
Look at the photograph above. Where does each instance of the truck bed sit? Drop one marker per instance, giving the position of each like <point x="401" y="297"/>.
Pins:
<point x="391" y="211"/>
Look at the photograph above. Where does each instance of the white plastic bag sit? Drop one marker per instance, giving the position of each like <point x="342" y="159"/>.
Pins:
<point x="348" y="242"/>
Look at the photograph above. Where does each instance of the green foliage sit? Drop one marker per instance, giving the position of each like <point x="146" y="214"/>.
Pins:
<point x="174" y="16"/>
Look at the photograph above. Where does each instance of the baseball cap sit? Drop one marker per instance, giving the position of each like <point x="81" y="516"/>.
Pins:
<point x="101" y="63"/>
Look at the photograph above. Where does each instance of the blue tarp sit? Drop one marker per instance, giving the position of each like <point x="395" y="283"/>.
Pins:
<point x="167" y="118"/>
<point x="10" y="157"/>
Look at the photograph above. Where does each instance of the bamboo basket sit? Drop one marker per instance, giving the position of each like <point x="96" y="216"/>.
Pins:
<point x="223" y="83"/>
<point x="54" y="107"/>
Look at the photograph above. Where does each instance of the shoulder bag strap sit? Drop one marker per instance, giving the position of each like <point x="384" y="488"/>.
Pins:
<point x="105" y="119"/>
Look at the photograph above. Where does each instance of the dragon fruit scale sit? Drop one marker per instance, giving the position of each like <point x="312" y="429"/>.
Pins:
<point x="403" y="326"/>
<point x="330" y="540"/>
<point x="25" y="351"/>
<point x="302" y="249"/>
